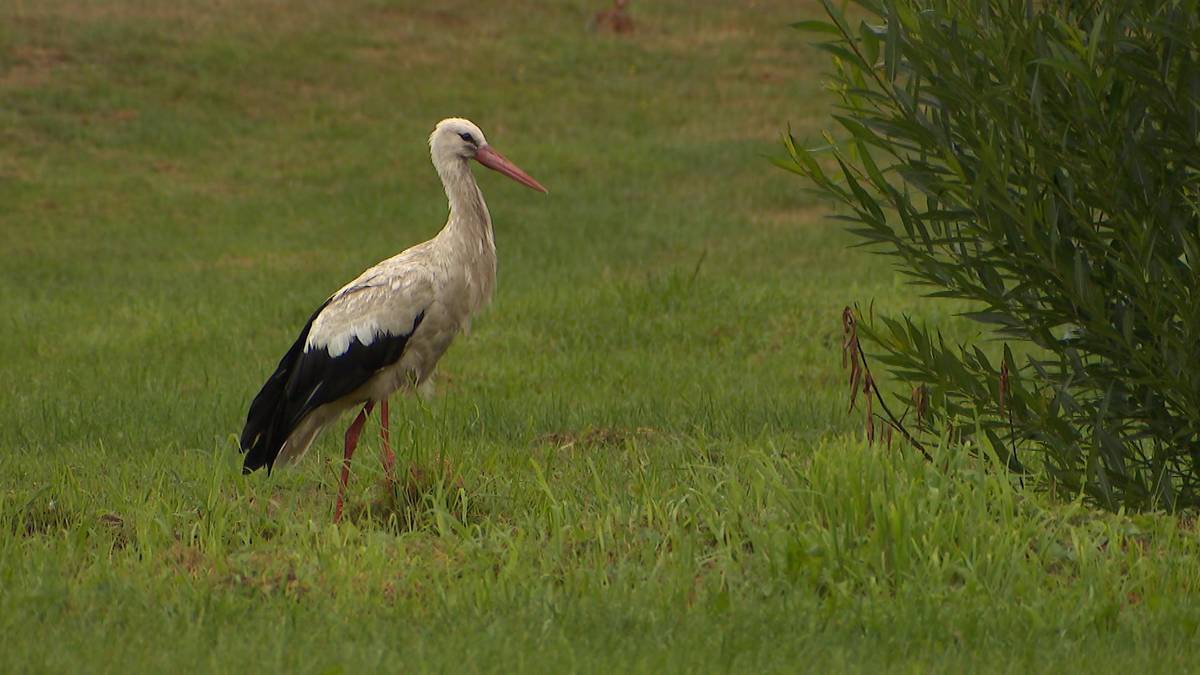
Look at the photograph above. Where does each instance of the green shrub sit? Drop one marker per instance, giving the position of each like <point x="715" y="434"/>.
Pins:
<point x="1039" y="160"/>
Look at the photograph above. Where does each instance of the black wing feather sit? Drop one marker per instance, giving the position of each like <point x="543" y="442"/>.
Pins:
<point x="307" y="380"/>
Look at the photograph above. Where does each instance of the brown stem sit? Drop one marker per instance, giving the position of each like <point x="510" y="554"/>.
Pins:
<point x="851" y="327"/>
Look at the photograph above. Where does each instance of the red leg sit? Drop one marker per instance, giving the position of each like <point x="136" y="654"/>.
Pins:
<point x="389" y="458"/>
<point x="351" y="443"/>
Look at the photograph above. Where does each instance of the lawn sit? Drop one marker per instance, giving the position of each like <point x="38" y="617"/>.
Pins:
<point x="639" y="460"/>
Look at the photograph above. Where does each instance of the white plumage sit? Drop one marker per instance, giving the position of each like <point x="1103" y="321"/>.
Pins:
<point x="385" y="330"/>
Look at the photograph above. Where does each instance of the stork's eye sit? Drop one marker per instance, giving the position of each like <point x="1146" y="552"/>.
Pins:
<point x="467" y="137"/>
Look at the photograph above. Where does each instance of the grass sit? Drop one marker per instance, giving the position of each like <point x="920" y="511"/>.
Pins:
<point x="639" y="460"/>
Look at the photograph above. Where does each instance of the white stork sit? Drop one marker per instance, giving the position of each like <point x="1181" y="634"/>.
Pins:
<point x="386" y="330"/>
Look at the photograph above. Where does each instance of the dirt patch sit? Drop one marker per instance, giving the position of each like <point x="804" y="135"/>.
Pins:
<point x="788" y="218"/>
<point x="598" y="437"/>
<point x="267" y="574"/>
<point x="115" y="524"/>
<point x="189" y="560"/>
<point x="270" y="260"/>
<point x="44" y="517"/>
<point x="404" y="506"/>
<point x="194" y="17"/>
<point x="32" y="67"/>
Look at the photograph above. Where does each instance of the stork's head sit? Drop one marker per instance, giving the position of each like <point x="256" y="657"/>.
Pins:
<point x="457" y="139"/>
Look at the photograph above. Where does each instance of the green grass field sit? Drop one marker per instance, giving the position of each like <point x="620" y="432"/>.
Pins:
<point x="640" y="459"/>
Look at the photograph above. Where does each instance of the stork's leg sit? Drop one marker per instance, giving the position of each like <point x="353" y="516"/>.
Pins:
<point x="389" y="458"/>
<point x="351" y="443"/>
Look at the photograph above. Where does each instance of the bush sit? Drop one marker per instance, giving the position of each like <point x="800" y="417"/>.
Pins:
<point x="1040" y="161"/>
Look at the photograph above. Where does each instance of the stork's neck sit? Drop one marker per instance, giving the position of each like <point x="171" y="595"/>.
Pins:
<point x="469" y="217"/>
<point x="466" y="241"/>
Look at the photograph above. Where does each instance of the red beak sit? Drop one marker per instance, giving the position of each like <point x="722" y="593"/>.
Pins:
<point x="496" y="162"/>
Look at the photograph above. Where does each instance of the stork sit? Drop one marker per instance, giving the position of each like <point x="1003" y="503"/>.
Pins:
<point x="386" y="330"/>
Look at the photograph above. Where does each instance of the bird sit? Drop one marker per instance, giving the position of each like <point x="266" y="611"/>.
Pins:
<point x="386" y="330"/>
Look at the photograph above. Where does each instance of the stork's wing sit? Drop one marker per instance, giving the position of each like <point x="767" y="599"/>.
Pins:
<point x="361" y="329"/>
<point x="384" y="304"/>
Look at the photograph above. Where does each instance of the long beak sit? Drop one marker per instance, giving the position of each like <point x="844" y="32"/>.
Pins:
<point x="496" y="162"/>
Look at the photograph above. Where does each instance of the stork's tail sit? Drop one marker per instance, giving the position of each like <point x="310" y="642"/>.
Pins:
<point x="268" y="423"/>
